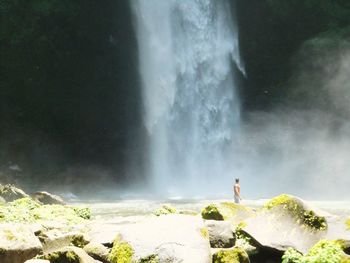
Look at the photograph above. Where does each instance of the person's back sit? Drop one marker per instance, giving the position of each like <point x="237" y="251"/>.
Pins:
<point x="237" y="192"/>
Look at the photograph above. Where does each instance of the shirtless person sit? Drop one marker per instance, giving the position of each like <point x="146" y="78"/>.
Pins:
<point x="237" y="191"/>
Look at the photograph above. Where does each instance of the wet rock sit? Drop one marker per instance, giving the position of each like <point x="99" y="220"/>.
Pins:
<point x="10" y="193"/>
<point x="220" y="234"/>
<point x="47" y="198"/>
<point x="17" y="243"/>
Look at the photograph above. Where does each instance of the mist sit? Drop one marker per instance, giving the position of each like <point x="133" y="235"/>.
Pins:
<point x="302" y="148"/>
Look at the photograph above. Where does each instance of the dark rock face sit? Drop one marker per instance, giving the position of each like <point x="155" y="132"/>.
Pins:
<point x="47" y="198"/>
<point x="10" y="193"/>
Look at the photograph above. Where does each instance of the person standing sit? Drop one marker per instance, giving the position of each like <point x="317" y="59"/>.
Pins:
<point x="237" y="192"/>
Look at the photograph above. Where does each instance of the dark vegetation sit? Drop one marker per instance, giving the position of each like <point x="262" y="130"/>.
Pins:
<point x="69" y="91"/>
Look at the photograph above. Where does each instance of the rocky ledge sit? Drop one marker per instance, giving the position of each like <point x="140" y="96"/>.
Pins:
<point x="286" y="229"/>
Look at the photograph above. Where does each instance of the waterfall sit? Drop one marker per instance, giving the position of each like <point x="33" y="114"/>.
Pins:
<point x="187" y="49"/>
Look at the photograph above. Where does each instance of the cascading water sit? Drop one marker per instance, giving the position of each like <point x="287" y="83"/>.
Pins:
<point x="186" y="52"/>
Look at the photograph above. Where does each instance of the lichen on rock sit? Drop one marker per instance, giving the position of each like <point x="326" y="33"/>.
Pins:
<point x="166" y="209"/>
<point x="325" y="251"/>
<point x="229" y="211"/>
<point x="28" y="210"/>
<point x="235" y="255"/>
<point x="122" y="252"/>
<point x="296" y="208"/>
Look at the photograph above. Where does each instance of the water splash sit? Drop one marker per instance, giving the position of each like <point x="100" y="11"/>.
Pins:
<point x="186" y="51"/>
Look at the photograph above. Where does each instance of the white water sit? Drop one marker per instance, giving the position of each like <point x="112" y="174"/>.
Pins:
<point x="187" y="50"/>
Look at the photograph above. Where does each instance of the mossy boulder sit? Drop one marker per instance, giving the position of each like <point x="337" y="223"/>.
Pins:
<point x="285" y="221"/>
<point x="232" y="212"/>
<point x="68" y="255"/>
<point x="55" y="239"/>
<point x="122" y="252"/>
<point x="235" y="255"/>
<point x="297" y="209"/>
<point x="325" y="251"/>
<point x="10" y="193"/>
<point x="28" y="210"/>
<point x="165" y="210"/>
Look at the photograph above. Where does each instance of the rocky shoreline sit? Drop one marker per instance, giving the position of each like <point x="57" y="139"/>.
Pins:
<point x="41" y="228"/>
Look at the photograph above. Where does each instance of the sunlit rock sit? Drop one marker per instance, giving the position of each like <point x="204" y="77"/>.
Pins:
<point x="17" y="243"/>
<point x="47" y="198"/>
<point x="285" y="222"/>
<point x="172" y="238"/>
<point x="55" y="239"/>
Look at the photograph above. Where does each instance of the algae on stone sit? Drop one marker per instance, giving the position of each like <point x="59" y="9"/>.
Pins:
<point x="165" y="210"/>
<point x="295" y="207"/>
<point x="28" y="210"/>
<point x="121" y="252"/>
<point x="325" y="251"/>
<point x="235" y="255"/>
<point x="212" y="212"/>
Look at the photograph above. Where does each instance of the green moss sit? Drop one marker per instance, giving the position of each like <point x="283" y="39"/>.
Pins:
<point x="79" y="241"/>
<point x="324" y="251"/>
<point x="150" y="259"/>
<point x="236" y="255"/>
<point x="165" y="210"/>
<point x="61" y="257"/>
<point x="83" y="212"/>
<point x="121" y="252"/>
<point x="28" y="210"/>
<point x="295" y="208"/>
<point x="212" y="212"/>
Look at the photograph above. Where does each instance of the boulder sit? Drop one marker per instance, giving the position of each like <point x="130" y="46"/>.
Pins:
<point x="10" y="193"/>
<point x="69" y="254"/>
<point x="172" y="238"/>
<point x="283" y="223"/>
<point x="97" y="251"/>
<point x="234" y="255"/>
<point x="220" y="234"/>
<point x="55" y="239"/>
<point x="47" y="198"/>
<point x="17" y="243"/>
<point x="229" y="211"/>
